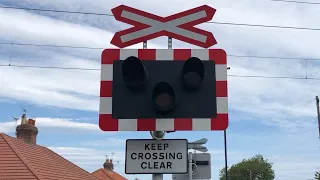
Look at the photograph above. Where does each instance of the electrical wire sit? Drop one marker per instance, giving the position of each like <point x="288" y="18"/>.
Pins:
<point x="49" y="45"/>
<point x="55" y="11"/>
<point x="211" y="22"/>
<point x="100" y="48"/>
<point x="50" y="67"/>
<point x="294" y="111"/>
<point x="299" y="2"/>
<point x="273" y="77"/>
<point x="95" y="69"/>
<point x="265" y="26"/>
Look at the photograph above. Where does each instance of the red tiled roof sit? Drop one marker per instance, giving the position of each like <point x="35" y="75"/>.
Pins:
<point x="104" y="174"/>
<point x="19" y="160"/>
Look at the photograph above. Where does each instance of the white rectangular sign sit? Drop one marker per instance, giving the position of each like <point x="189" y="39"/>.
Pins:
<point x="147" y="156"/>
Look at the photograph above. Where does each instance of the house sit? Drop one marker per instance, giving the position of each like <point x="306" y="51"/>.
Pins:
<point x="107" y="172"/>
<point x="22" y="159"/>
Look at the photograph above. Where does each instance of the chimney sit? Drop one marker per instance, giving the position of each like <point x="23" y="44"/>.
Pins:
<point x="108" y="165"/>
<point x="27" y="130"/>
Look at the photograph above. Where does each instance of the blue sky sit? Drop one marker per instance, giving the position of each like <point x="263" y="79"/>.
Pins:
<point x="273" y="117"/>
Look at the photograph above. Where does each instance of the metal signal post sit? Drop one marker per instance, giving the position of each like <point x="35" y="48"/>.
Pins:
<point x="318" y="113"/>
<point x="225" y="153"/>
<point x="158" y="135"/>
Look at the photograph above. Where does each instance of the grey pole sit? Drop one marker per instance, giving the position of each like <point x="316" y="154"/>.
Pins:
<point x="190" y="165"/>
<point x="318" y="113"/>
<point x="157" y="135"/>
<point x="225" y="153"/>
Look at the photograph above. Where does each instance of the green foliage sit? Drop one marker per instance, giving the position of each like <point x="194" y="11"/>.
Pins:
<point x="317" y="175"/>
<point x="254" y="168"/>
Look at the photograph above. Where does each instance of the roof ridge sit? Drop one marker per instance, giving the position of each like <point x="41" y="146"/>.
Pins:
<point x="69" y="161"/>
<point x="104" y="170"/>
<point x="25" y="162"/>
<point x="118" y="174"/>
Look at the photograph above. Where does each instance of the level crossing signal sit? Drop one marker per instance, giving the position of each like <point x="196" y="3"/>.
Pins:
<point x="163" y="89"/>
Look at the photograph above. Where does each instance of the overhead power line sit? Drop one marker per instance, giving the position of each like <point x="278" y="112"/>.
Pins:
<point x="295" y="109"/>
<point x="49" y="45"/>
<point x="299" y="2"/>
<point x="100" y="48"/>
<point x="49" y="67"/>
<point x="96" y="69"/>
<point x="211" y="22"/>
<point x="55" y="11"/>
<point x="266" y="26"/>
<point x="273" y="77"/>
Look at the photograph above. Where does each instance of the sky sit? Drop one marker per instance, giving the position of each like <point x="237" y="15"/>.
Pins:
<point x="275" y="117"/>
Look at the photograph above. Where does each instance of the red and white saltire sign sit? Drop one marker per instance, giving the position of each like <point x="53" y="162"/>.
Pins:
<point x="149" y="26"/>
<point x="107" y="123"/>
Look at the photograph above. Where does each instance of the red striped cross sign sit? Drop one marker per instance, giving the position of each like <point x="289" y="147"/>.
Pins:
<point x="149" y="26"/>
<point x="108" y="123"/>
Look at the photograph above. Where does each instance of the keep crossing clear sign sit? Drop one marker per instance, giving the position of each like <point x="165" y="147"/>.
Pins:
<point x="147" y="156"/>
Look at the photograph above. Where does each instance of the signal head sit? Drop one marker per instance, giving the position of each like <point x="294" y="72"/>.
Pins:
<point x="192" y="73"/>
<point x="134" y="73"/>
<point x="163" y="97"/>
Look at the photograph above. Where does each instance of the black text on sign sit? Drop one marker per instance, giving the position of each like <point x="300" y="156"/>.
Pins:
<point x="154" y="156"/>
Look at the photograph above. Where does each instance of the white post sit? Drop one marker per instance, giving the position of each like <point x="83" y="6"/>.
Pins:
<point x="190" y="166"/>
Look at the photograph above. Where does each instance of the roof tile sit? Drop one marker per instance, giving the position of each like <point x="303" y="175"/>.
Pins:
<point x="105" y="174"/>
<point x="11" y="166"/>
<point x="19" y="160"/>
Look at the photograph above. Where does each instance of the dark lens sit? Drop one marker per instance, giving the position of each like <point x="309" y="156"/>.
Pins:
<point x="164" y="101"/>
<point x="134" y="73"/>
<point x="163" y="96"/>
<point x="192" y="73"/>
<point x="192" y="79"/>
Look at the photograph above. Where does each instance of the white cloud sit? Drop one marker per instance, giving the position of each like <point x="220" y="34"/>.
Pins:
<point x="70" y="89"/>
<point x="7" y="127"/>
<point x="58" y="124"/>
<point x="89" y="158"/>
<point x="303" y="166"/>
<point x="108" y="142"/>
<point x="291" y="166"/>
<point x="65" y="88"/>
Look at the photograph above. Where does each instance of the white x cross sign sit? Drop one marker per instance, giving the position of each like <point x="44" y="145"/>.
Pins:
<point x="148" y="26"/>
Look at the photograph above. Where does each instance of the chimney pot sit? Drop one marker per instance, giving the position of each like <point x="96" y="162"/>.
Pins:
<point x="32" y="122"/>
<point x="24" y="119"/>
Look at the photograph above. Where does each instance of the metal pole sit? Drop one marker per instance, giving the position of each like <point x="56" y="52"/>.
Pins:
<point x="169" y="43"/>
<point x="225" y="149"/>
<point x="157" y="135"/>
<point x="145" y="45"/>
<point x="318" y="113"/>
<point x="225" y="153"/>
<point x="190" y="166"/>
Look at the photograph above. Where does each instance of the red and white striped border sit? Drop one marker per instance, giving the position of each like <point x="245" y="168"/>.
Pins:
<point x="107" y="123"/>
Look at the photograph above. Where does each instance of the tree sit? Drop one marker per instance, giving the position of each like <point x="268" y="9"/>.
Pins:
<point x="254" y="168"/>
<point x="317" y="175"/>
